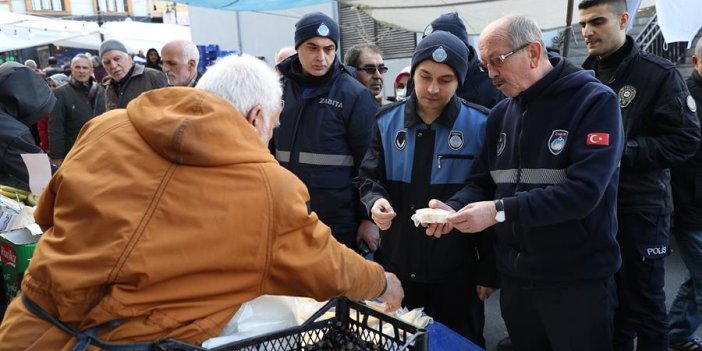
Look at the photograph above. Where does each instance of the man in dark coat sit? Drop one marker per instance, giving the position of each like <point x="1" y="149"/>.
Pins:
<point x="24" y="99"/>
<point x="325" y="127"/>
<point x="686" y="181"/>
<point x="78" y="101"/>
<point x="661" y="131"/>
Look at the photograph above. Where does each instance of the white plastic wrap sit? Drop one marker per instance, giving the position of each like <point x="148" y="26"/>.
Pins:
<point x="429" y="215"/>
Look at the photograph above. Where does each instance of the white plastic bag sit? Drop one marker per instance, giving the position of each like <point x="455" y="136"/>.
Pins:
<point x="263" y="315"/>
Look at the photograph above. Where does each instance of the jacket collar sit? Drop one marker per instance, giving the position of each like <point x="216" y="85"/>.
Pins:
<point x="446" y="118"/>
<point x="623" y="55"/>
<point x="538" y="88"/>
<point x="291" y="69"/>
<point x="696" y="77"/>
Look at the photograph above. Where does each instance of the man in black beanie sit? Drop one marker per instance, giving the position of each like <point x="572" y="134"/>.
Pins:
<point x="477" y="87"/>
<point x="325" y="128"/>
<point x="424" y="148"/>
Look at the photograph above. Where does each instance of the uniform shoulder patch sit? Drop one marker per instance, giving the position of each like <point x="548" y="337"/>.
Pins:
<point x="691" y="104"/>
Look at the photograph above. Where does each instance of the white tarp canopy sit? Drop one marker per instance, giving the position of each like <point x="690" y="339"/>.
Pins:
<point x="34" y="31"/>
<point x="414" y="15"/>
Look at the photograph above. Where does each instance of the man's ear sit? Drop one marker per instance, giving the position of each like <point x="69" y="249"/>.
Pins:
<point x="255" y="116"/>
<point x="623" y="20"/>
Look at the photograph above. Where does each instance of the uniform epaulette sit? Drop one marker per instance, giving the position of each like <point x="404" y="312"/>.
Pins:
<point x="657" y="60"/>
<point x="386" y="107"/>
<point x="480" y="108"/>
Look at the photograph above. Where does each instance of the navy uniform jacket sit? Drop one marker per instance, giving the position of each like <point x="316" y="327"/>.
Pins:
<point x="661" y="130"/>
<point x="410" y="163"/>
<point x="325" y="129"/>
<point x="552" y="156"/>
<point x="686" y="178"/>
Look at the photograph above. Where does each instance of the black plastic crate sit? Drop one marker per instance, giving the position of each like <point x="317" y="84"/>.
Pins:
<point x="348" y="315"/>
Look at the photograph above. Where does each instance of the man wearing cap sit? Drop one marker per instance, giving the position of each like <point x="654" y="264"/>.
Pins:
<point x="424" y="148"/>
<point x="551" y="159"/>
<point x="477" y="87"/>
<point x="127" y="80"/>
<point x="325" y="127"/>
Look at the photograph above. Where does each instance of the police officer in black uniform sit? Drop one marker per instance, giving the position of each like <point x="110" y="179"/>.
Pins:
<point x="661" y="131"/>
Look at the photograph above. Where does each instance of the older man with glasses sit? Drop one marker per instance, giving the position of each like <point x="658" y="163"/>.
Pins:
<point x="546" y="182"/>
<point x="367" y="60"/>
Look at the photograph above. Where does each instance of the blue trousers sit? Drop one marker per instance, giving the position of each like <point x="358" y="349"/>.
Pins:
<point x="686" y="310"/>
<point x="643" y="239"/>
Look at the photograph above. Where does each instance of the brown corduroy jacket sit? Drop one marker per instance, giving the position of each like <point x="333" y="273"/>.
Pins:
<point x="167" y="216"/>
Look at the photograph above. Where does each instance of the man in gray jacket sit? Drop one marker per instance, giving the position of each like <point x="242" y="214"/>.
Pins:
<point x="77" y="102"/>
<point x="127" y="80"/>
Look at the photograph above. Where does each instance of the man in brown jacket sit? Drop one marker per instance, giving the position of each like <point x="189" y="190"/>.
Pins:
<point x="127" y="80"/>
<point x="168" y="215"/>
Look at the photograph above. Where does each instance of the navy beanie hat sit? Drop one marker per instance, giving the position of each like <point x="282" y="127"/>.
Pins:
<point x="449" y="22"/>
<point x="443" y="47"/>
<point x="316" y="24"/>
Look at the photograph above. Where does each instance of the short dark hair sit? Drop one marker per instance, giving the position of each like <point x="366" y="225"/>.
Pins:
<point x="52" y="60"/>
<point x="619" y="6"/>
<point x="352" y="55"/>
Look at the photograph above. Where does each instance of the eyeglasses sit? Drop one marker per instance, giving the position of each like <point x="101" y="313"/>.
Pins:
<point x="372" y="69"/>
<point x="499" y="60"/>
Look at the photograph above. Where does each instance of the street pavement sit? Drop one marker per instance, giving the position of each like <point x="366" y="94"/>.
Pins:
<point x="495" y="326"/>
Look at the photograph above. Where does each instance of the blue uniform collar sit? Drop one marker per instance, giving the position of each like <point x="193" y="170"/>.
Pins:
<point x="447" y="118"/>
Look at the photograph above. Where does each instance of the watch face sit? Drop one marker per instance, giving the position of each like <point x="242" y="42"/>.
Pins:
<point x="500" y="216"/>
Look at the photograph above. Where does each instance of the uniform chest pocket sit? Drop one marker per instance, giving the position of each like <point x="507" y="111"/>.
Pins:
<point x="450" y="159"/>
<point x="452" y="168"/>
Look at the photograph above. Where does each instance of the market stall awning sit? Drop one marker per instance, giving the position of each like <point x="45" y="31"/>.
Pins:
<point x="414" y="15"/>
<point x="251" y="5"/>
<point x="23" y="31"/>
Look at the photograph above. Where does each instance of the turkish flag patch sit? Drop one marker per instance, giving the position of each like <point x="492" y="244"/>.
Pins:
<point x="598" y="139"/>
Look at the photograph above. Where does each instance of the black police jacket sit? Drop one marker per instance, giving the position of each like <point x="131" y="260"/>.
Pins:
<point x="660" y="127"/>
<point x="687" y="177"/>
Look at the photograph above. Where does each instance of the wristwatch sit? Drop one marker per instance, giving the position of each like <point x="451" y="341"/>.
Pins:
<point x="500" y="214"/>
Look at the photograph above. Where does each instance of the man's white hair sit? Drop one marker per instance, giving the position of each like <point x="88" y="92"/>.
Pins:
<point x="187" y="48"/>
<point x="245" y="82"/>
